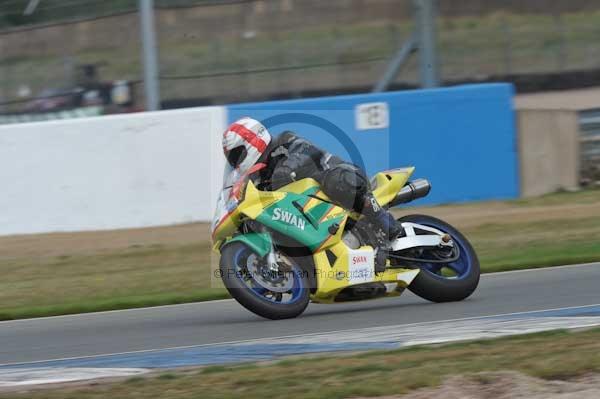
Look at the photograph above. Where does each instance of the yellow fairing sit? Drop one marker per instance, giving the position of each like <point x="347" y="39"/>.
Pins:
<point x="304" y="185"/>
<point x="301" y="186"/>
<point x="256" y="201"/>
<point x="331" y="279"/>
<point x="227" y="228"/>
<point x="253" y="204"/>
<point x="388" y="183"/>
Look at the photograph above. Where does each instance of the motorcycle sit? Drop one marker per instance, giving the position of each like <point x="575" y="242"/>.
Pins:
<point x="282" y="249"/>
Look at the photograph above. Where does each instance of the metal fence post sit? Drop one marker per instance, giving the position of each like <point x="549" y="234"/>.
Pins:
<point x="562" y="54"/>
<point x="426" y="11"/>
<point x="150" y="57"/>
<point x="507" y="40"/>
<point x="409" y="47"/>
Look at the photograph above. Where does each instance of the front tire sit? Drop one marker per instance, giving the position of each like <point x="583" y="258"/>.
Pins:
<point x="431" y="283"/>
<point x="244" y="287"/>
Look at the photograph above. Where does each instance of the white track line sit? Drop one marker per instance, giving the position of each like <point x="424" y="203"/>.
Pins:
<point x="25" y="377"/>
<point x="541" y="269"/>
<point x="249" y="341"/>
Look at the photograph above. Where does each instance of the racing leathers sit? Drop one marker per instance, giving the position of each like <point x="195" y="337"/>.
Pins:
<point x="289" y="158"/>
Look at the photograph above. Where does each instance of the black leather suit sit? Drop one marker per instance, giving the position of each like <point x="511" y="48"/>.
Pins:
<point x="289" y="158"/>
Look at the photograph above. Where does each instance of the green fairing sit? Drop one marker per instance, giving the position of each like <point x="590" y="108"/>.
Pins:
<point x="318" y="211"/>
<point x="285" y="218"/>
<point x="260" y="243"/>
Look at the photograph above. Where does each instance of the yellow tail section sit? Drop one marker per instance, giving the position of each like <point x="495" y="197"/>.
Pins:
<point x="386" y="184"/>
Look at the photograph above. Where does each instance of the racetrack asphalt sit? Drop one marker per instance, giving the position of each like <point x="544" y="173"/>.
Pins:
<point x="226" y="321"/>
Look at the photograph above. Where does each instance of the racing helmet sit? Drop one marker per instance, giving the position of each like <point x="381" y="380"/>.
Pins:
<point x="244" y="142"/>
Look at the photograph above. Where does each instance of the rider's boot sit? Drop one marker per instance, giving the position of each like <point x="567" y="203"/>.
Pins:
<point x="385" y="221"/>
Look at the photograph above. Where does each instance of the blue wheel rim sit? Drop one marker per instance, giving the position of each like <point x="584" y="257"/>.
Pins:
<point x="288" y="298"/>
<point x="461" y="267"/>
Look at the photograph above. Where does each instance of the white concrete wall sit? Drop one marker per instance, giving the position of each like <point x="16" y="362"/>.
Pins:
<point x="111" y="172"/>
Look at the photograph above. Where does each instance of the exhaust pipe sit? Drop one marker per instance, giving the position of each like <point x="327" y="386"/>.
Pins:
<point x="413" y="190"/>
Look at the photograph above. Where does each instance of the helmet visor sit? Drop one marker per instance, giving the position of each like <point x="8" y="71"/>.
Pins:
<point x="236" y="156"/>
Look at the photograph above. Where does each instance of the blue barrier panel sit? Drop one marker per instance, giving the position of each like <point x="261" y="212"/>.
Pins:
<point x="461" y="138"/>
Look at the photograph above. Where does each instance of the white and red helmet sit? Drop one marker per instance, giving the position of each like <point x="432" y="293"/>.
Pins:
<point x="244" y="142"/>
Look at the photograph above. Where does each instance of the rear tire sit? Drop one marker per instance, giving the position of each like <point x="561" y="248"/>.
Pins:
<point x="437" y="288"/>
<point x="231" y="256"/>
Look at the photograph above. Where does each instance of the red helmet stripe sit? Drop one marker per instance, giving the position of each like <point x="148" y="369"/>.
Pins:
<point x="249" y="136"/>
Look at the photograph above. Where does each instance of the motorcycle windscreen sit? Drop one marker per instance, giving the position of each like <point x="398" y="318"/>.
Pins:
<point x="225" y="203"/>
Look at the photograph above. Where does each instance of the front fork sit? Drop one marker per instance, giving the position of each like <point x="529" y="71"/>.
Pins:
<point x="261" y="243"/>
<point x="272" y="260"/>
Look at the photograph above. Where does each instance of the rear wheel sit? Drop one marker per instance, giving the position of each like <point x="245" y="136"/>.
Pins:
<point x="273" y="295"/>
<point x="440" y="281"/>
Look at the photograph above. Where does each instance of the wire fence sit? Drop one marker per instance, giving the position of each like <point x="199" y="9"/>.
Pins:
<point x="230" y="51"/>
<point x="590" y="147"/>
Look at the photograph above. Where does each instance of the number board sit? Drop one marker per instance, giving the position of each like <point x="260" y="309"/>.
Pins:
<point x="372" y="116"/>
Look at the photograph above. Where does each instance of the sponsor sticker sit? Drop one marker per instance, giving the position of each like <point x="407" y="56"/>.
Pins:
<point x="361" y="266"/>
<point x="289" y="218"/>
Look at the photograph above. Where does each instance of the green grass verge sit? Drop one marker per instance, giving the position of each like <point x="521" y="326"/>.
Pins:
<point x="543" y="256"/>
<point x="551" y="355"/>
<point x="126" y="302"/>
<point x="552" y="230"/>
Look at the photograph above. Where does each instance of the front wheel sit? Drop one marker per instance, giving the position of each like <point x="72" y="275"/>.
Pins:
<point x="273" y="295"/>
<point x="444" y="282"/>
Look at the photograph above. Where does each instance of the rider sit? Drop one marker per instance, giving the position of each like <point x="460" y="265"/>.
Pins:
<point x="278" y="161"/>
